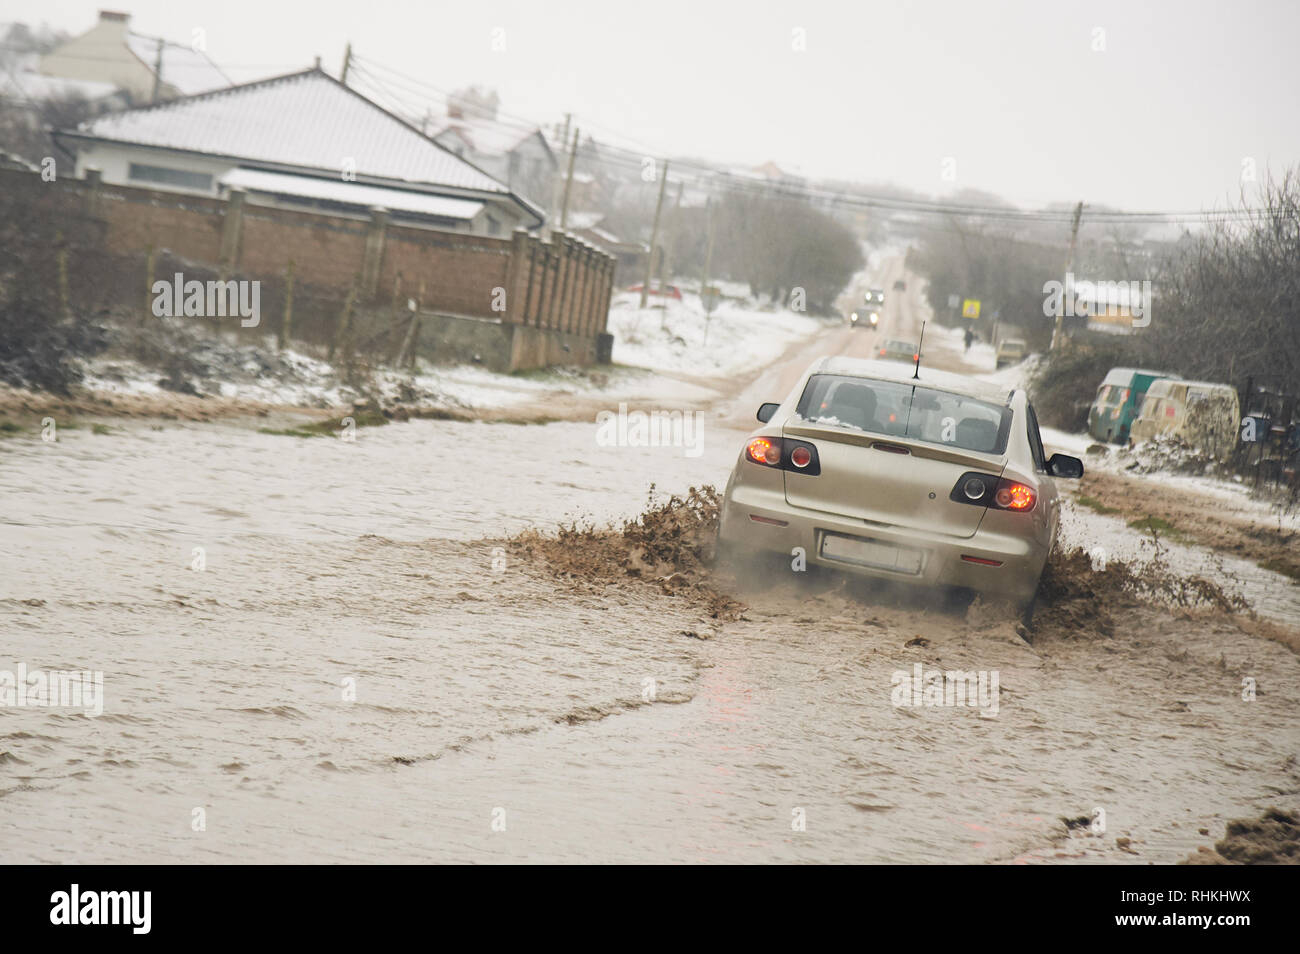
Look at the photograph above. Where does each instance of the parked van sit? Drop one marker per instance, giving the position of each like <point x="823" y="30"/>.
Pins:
<point x="1011" y="351"/>
<point x="1204" y="415"/>
<point x="1117" y="402"/>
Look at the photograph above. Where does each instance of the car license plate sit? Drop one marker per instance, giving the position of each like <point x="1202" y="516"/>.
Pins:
<point x="872" y="553"/>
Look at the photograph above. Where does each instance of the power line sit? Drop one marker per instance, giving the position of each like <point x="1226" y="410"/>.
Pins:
<point x="717" y="179"/>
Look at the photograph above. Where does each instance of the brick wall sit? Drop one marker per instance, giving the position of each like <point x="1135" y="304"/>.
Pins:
<point x="460" y="273"/>
<point x="563" y="284"/>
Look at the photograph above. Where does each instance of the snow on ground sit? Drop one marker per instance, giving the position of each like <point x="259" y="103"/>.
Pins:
<point x="1076" y="445"/>
<point x="1269" y="594"/>
<point x="671" y="335"/>
<point x="293" y="379"/>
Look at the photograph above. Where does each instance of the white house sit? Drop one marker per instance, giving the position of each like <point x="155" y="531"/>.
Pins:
<point x="110" y="53"/>
<point x="303" y="141"/>
<point x="512" y="151"/>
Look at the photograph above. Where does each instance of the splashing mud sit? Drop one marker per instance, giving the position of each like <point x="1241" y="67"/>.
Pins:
<point x="1273" y="839"/>
<point x="1078" y="597"/>
<point x="671" y="544"/>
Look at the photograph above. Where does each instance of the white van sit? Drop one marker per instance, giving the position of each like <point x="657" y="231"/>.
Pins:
<point x="1202" y="414"/>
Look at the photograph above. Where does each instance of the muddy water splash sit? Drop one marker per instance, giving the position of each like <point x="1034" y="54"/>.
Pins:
<point x="671" y="544"/>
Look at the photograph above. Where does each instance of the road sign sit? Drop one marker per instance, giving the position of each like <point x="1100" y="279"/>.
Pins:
<point x="710" y="295"/>
<point x="970" y="308"/>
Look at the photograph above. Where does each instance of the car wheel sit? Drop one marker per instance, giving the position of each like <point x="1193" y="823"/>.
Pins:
<point x="1026" y="627"/>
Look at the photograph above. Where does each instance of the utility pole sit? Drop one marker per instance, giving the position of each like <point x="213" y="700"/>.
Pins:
<point x="347" y="64"/>
<point x="671" y="231"/>
<point x="557" y="180"/>
<point x="157" y="72"/>
<point x="654" y="237"/>
<point x="705" y="295"/>
<point x="568" y="180"/>
<point x="1058" y="332"/>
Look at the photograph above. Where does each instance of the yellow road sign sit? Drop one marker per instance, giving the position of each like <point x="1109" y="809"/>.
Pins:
<point x="970" y="308"/>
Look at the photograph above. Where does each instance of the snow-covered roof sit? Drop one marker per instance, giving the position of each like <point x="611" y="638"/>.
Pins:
<point x="187" y="69"/>
<point x="487" y="137"/>
<point x="29" y="86"/>
<point x="351" y="193"/>
<point x="305" y="120"/>
<point x="585" y="220"/>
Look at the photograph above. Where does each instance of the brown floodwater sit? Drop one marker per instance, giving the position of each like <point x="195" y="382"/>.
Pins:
<point x="367" y="669"/>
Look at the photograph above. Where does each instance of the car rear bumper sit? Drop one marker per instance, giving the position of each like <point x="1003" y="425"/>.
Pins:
<point x="924" y="558"/>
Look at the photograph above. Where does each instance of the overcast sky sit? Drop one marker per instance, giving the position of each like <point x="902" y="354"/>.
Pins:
<point x="1142" y="104"/>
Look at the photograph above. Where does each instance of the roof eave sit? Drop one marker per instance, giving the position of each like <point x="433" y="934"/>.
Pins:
<point x="289" y="168"/>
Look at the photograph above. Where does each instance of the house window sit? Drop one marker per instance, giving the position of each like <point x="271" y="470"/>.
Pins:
<point x="172" y="177"/>
<point x="493" y="226"/>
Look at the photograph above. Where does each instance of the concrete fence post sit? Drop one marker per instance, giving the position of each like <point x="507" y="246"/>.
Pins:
<point x="584" y="288"/>
<point x="605" y="297"/>
<point x="563" y="251"/>
<point x="575" y="280"/>
<point x="517" y="279"/>
<point x="547" y="317"/>
<point x="94" y="187"/>
<point x="593" y="293"/>
<point x="533" y="293"/>
<point x="373" y="257"/>
<point x="232" y="226"/>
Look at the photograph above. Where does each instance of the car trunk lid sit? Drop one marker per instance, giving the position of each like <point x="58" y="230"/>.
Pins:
<point x="887" y="481"/>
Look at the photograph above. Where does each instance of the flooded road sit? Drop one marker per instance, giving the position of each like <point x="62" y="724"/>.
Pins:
<point x="365" y="669"/>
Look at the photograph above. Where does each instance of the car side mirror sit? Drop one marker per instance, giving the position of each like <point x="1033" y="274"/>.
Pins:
<point x="765" y="411"/>
<point x="1063" y="465"/>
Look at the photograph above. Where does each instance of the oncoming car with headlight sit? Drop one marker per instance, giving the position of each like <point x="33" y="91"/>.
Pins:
<point x="923" y="477"/>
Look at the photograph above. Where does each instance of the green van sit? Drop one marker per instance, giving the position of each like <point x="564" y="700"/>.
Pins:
<point x="1117" y="403"/>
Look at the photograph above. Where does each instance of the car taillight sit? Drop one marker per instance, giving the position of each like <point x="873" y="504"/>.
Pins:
<point x="1015" y="496"/>
<point x="988" y="490"/>
<point x="882" y="352"/>
<point x="785" y="454"/>
<point x="974" y="488"/>
<point x="761" y="450"/>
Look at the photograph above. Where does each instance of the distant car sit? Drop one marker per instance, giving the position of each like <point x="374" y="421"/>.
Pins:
<point x="900" y="285"/>
<point x="1011" y="351"/>
<point x="872" y="322"/>
<point x="1118" y="399"/>
<point x="875" y="295"/>
<point x="898" y="350"/>
<point x="668" y="291"/>
<point x="936" y="482"/>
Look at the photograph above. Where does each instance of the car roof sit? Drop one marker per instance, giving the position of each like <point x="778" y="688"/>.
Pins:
<point x="902" y="374"/>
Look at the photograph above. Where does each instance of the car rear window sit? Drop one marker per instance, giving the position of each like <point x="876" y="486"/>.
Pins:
<point x="894" y="409"/>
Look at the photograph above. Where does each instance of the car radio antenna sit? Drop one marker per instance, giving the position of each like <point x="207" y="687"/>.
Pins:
<point x="916" y="375"/>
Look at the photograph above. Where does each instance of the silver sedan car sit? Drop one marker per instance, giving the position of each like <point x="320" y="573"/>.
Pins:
<point x="923" y="477"/>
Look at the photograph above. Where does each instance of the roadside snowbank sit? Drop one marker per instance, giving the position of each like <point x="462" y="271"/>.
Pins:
<point x="674" y="336"/>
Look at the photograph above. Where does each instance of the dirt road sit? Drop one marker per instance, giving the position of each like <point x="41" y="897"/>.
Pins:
<point x="367" y="667"/>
